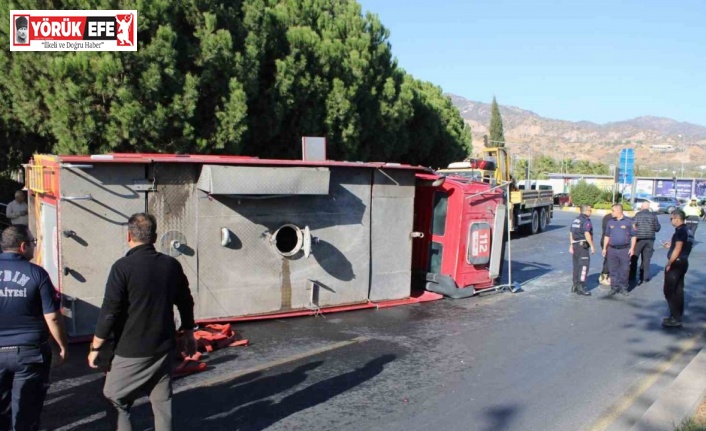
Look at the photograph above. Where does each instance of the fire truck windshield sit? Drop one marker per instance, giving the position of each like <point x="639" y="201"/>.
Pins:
<point x="467" y="173"/>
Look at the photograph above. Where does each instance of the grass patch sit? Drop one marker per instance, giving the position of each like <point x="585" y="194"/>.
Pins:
<point x="690" y="425"/>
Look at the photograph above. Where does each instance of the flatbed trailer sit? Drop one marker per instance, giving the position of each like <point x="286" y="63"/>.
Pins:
<point x="530" y="210"/>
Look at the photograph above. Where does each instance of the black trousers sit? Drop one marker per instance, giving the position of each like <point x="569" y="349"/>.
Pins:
<point x="674" y="287"/>
<point x="24" y="380"/>
<point x="692" y="222"/>
<point x="644" y="248"/>
<point x="582" y="261"/>
<point x="605" y="270"/>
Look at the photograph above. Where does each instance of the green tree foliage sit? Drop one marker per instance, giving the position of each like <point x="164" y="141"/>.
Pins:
<point x="585" y="194"/>
<point x="602" y="205"/>
<point x="543" y="165"/>
<point x="497" y="135"/>
<point x="246" y="77"/>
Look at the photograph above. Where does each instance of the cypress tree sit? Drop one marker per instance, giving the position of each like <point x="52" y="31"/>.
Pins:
<point x="497" y="135"/>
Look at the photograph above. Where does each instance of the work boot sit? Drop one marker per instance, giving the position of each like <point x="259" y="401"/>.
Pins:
<point x="671" y="322"/>
<point x="581" y="291"/>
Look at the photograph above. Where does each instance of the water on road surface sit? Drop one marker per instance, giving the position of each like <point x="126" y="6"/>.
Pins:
<point x="543" y="359"/>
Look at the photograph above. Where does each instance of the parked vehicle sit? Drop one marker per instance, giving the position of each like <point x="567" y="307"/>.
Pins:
<point x="562" y="199"/>
<point x="665" y="204"/>
<point x="699" y="201"/>
<point x="654" y="206"/>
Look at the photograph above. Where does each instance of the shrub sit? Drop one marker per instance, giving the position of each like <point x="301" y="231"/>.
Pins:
<point x="602" y="206"/>
<point x="607" y="196"/>
<point x="607" y="205"/>
<point x="584" y="193"/>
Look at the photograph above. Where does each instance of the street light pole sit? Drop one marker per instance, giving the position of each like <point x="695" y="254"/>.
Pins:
<point x="674" y="178"/>
<point x="529" y="169"/>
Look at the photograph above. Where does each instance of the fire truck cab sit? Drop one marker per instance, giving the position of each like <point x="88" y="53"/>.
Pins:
<point x="460" y="223"/>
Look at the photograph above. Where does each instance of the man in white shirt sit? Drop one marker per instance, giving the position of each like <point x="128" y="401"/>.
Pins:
<point x="17" y="209"/>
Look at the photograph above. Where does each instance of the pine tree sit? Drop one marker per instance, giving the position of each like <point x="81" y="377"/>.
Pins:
<point x="497" y="136"/>
<point x="249" y="77"/>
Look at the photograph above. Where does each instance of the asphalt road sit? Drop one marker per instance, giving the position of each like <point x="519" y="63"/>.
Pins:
<point x="541" y="359"/>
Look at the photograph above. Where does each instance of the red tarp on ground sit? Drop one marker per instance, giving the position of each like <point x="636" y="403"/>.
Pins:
<point x="208" y="338"/>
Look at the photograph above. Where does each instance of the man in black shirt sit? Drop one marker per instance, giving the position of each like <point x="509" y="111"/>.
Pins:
<point x="677" y="265"/>
<point x="138" y="308"/>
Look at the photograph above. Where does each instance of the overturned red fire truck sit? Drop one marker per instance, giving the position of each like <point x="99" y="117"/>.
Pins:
<point x="264" y="238"/>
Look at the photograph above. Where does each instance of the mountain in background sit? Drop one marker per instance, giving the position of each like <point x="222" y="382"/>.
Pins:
<point x="660" y="144"/>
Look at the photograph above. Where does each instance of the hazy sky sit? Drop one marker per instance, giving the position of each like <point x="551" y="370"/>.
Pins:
<point x="597" y="60"/>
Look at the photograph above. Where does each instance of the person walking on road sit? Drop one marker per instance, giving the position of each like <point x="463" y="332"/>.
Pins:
<point x="138" y="308"/>
<point x="646" y="227"/>
<point x="693" y="214"/>
<point x="581" y="240"/>
<point x="29" y="312"/>
<point x="604" y="278"/>
<point x="675" y="270"/>
<point x="618" y="246"/>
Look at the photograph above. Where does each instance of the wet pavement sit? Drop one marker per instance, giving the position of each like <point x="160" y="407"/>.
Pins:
<point x="541" y="359"/>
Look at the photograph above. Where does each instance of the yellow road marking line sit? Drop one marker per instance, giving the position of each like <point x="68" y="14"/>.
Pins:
<point x="232" y="376"/>
<point x="636" y="392"/>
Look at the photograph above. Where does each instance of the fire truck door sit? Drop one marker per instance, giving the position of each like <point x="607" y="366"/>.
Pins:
<point x="438" y="231"/>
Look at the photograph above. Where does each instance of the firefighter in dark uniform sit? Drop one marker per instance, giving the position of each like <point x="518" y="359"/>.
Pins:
<point x="619" y="245"/>
<point x="677" y="265"/>
<point x="581" y="237"/>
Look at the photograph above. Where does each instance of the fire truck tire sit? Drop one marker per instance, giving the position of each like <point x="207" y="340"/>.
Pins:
<point x="534" y="226"/>
<point x="543" y="219"/>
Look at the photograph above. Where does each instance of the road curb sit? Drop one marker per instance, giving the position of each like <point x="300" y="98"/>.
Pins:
<point x="679" y="401"/>
<point x="595" y="211"/>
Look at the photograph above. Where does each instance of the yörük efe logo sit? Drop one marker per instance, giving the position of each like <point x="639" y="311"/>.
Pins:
<point x="73" y="30"/>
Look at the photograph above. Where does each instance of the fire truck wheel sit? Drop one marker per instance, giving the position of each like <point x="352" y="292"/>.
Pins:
<point x="543" y="220"/>
<point x="534" y="226"/>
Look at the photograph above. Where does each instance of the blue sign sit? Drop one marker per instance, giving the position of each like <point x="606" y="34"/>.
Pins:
<point x="666" y="188"/>
<point x="626" y="165"/>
